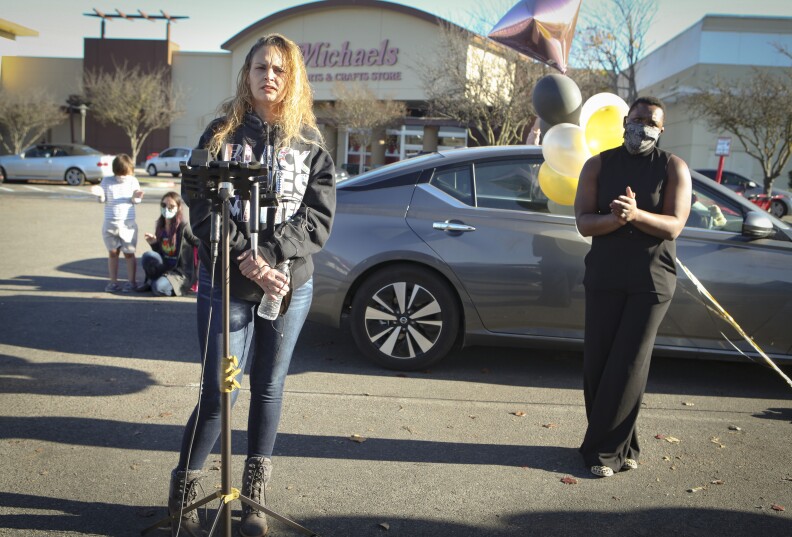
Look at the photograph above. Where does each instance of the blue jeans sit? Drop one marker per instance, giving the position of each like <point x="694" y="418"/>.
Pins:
<point x="154" y="269"/>
<point x="266" y="345"/>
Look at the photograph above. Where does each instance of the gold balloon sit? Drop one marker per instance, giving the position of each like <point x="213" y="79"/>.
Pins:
<point x="558" y="188"/>
<point x="605" y="129"/>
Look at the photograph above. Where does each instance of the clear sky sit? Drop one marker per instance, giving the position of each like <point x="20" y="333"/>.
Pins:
<point x="62" y="25"/>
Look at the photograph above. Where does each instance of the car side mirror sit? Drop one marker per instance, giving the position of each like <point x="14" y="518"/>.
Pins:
<point x="757" y="226"/>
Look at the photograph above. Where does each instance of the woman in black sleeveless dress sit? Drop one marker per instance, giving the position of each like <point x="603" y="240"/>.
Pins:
<point x="634" y="201"/>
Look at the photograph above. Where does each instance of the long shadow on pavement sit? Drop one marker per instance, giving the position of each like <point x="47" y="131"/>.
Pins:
<point x="93" y="432"/>
<point x="97" y="518"/>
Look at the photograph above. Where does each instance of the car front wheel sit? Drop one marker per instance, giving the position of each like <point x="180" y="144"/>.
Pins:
<point x="152" y="170"/>
<point x="74" y="177"/>
<point x="778" y="208"/>
<point x="404" y="317"/>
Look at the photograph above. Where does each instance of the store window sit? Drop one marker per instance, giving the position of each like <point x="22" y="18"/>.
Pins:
<point x="358" y="157"/>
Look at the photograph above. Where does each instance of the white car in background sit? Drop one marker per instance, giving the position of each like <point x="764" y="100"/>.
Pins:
<point x="168" y="161"/>
<point x="73" y="163"/>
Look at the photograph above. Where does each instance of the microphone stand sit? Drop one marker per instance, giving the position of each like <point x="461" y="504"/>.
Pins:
<point x="218" y="181"/>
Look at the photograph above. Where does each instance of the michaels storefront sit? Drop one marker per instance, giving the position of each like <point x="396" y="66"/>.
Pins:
<point x="377" y="44"/>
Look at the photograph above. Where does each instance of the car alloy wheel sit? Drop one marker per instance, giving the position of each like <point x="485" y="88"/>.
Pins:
<point x="404" y="317"/>
<point x="152" y="170"/>
<point x="74" y="177"/>
<point x="778" y="208"/>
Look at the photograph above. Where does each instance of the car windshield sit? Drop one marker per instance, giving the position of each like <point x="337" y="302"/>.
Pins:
<point x="84" y="150"/>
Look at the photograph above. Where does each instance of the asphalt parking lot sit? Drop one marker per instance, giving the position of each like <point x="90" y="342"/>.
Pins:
<point x="95" y="389"/>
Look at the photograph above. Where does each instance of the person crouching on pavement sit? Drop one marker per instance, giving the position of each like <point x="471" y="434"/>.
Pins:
<point x="169" y="265"/>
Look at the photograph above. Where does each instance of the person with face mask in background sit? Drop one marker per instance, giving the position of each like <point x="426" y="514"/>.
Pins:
<point x="169" y="265"/>
<point x="633" y="201"/>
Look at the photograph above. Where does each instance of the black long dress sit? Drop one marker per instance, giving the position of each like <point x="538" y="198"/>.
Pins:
<point x="630" y="280"/>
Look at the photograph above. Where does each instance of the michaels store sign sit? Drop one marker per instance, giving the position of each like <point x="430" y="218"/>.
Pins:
<point x="323" y="55"/>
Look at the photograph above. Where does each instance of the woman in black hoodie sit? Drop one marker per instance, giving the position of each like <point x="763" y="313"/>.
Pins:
<point x="273" y="106"/>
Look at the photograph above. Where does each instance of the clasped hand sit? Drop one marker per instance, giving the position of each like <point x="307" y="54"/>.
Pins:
<point x="624" y="207"/>
<point x="273" y="282"/>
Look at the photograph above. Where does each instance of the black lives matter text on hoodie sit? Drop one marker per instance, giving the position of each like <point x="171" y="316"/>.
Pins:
<point x="296" y="229"/>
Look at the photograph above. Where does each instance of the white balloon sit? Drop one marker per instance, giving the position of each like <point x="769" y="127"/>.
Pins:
<point x="565" y="150"/>
<point x="600" y="100"/>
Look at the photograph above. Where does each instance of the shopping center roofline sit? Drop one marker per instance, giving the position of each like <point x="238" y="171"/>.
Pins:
<point x="303" y="9"/>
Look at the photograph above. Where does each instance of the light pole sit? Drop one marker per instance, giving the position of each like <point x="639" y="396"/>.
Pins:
<point x="82" y="108"/>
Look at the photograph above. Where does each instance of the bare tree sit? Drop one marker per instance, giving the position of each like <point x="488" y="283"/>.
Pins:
<point x="482" y="85"/>
<point x="615" y="41"/>
<point x="137" y="101"/>
<point x="757" y="110"/>
<point x="26" y="117"/>
<point x="359" y="109"/>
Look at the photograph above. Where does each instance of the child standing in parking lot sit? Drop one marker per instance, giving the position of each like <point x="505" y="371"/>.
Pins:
<point x="120" y="193"/>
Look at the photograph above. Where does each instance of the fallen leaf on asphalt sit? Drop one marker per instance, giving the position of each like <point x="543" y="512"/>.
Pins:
<point x="357" y="438"/>
<point x="776" y="507"/>
<point x="384" y="525"/>
<point x="549" y="425"/>
<point x="519" y="413"/>
<point x="696" y="489"/>
<point x="660" y="436"/>
<point x="671" y="439"/>
<point x="716" y="440"/>
<point x="734" y="428"/>
<point x="569" y="480"/>
<point x="717" y="482"/>
<point x="688" y="403"/>
<point x="165" y="414"/>
<point x="406" y="428"/>
<point x="666" y="458"/>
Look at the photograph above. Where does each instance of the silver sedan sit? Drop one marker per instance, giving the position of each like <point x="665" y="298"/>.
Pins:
<point x="73" y="163"/>
<point x="462" y="248"/>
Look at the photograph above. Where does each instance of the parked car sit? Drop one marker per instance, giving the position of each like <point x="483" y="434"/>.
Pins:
<point x="780" y="202"/>
<point x="462" y="248"/>
<point x="167" y="161"/>
<point x="73" y="163"/>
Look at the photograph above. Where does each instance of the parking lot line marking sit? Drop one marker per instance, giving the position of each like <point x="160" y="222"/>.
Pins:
<point x="37" y="189"/>
<point x="72" y="190"/>
<point x="6" y="189"/>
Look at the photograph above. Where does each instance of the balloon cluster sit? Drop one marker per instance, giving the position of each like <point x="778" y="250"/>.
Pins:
<point x="574" y="131"/>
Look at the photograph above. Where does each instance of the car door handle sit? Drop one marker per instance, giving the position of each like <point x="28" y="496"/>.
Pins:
<point x="452" y="226"/>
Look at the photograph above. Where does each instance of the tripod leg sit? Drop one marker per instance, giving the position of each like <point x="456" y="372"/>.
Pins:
<point x="277" y="516"/>
<point x="174" y="518"/>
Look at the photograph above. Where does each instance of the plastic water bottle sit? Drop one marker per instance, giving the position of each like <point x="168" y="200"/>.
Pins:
<point x="270" y="307"/>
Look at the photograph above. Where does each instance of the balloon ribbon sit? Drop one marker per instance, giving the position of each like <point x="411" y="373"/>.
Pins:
<point x="723" y="314"/>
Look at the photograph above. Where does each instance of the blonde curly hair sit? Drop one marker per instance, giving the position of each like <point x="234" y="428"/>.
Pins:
<point x="294" y="112"/>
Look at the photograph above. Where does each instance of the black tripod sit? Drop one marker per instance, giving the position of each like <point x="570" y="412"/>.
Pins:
<point x="217" y="181"/>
